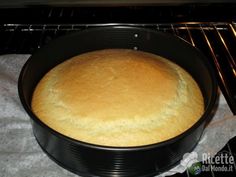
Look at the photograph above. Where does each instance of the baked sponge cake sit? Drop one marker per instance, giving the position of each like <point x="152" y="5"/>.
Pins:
<point x="118" y="97"/>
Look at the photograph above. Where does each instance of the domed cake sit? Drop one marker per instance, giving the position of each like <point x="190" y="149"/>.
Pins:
<point x="118" y="97"/>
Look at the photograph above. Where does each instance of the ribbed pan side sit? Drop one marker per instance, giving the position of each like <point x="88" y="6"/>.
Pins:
<point x="91" y="161"/>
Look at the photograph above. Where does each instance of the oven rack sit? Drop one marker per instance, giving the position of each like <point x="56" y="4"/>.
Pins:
<point x="35" y="35"/>
<point x="217" y="40"/>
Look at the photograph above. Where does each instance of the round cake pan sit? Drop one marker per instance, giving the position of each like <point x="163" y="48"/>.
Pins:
<point x="93" y="160"/>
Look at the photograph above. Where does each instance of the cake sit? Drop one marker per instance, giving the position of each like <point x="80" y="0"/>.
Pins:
<point x="118" y="97"/>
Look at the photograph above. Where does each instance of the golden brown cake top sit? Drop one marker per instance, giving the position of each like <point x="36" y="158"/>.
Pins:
<point x="118" y="97"/>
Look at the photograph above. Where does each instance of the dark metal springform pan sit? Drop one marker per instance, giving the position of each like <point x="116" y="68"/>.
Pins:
<point x="93" y="160"/>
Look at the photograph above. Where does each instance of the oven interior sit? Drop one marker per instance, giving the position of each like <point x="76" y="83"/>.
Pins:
<point x="208" y="25"/>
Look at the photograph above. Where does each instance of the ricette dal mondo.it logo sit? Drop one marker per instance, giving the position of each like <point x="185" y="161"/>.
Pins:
<point x="221" y="162"/>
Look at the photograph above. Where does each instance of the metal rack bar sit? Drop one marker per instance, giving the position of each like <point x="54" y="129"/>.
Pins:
<point x="212" y="53"/>
<point x="230" y="57"/>
<point x="190" y="35"/>
<point x="164" y="27"/>
<point x="226" y="85"/>
<point x="232" y="29"/>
